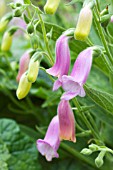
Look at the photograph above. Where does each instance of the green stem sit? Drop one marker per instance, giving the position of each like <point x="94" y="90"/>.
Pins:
<point x="98" y="6"/>
<point x="45" y="39"/>
<point x="85" y="119"/>
<point x="100" y="31"/>
<point x="76" y="154"/>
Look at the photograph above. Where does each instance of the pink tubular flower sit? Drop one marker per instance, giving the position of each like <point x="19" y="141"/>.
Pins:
<point x="73" y="84"/>
<point x="66" y="121"/>
<point x="23" y="65"/>
<point x="62" y="64"/>
<point x="48" y="147"/>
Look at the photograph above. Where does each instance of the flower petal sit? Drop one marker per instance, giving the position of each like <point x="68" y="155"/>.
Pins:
<point x="82" y="66"/>
<point x="56" y="85"/>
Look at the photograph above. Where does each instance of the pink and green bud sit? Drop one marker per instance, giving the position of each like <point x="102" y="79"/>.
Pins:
<point x="49" y="145"/>
<point x="51" y="6"/>
<point x="6" y="41"/>
<point x="23" y="65"/>
<point x="73" y="84"/>
<point x="66" y="121"/>
<point x="84" y="24"/>
<point x="23" y="87"/>
<point x="62" y="64"/>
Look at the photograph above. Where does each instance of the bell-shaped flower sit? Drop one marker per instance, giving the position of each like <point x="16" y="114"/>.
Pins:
<point x="51" y="6"/>
<point x="73" y="84"/>
<point x="66" y="121"/>
<point x="84" y="24"/>
<point x="62" y="64"/>
<point x="23" y="65"/>
<point x="49" y="146"/>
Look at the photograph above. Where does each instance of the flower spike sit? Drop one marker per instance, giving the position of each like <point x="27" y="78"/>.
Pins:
<point x="49" y="146"/>
<point x="62" y="64"/>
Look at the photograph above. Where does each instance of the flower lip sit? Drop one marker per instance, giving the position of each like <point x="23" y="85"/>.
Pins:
<point x="46" y="150"/>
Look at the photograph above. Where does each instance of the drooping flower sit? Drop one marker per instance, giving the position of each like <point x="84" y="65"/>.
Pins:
<point x="51" y="6"/>
<point x="49" y="146"/>
<point x="66" y="121"/>
<point x="73" y="84"/>
<point x="84" y="23"/>
<point x="23" y="65"/>
<point x="62" y="64"/>
<point x="23" y="87"/>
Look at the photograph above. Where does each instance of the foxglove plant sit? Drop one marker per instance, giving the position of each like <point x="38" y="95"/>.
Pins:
<point x="49" y="146"/>
<point x="62" y="64"/>
<point x="73" y="84"/>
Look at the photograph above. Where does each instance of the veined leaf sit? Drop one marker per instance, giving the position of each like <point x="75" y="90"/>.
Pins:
<point x="103" y="99"/>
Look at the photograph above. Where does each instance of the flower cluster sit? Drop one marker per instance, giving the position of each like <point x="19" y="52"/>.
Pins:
<point x="62" y="126"/>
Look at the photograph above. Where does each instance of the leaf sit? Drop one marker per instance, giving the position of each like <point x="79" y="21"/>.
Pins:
<point x="103" y="99"/>
<point x="22" y="148"/>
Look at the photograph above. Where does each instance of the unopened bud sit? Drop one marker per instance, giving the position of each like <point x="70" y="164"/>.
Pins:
<point x="6" y="41"/>
<point x="84" y="24"/>
<point x="51" y="6"/>
<point x="17" y="12"/>
<point x="23" y="87"/>
<point x="90" y="3"/>
<point x="99" y="160"/>
<point x="4" y="21"/>
<point x="93" y="147"/>
<point x="86" y="151"/>
<point x="33" y="70"/>
<point x="30" y="28"/>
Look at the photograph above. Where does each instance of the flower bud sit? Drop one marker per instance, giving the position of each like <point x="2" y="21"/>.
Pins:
<point x="34" y="41"/>
<point x="51" y="6"/>
<point x="30" y="28"/>
<point x="17" y="13"/>
<point x="93" y="147"/>
<point x="4" y="21"/>
<point x="86" y="151"/>
<point x="23" y="87"/>
<point x="84" y="24"/>
<point x="6" y="41"/>
<point x="33" y="69"/>
<point x="99" y="160"/>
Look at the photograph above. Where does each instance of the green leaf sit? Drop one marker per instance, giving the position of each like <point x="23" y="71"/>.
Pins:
<point x="103" y="99"/>
<point x="22" y="148"/>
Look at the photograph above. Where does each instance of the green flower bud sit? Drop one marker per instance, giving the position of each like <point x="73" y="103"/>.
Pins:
<point x="93" y="147"/>
<point x="34" y="41"/>
<point x="86" y="151"/>
<point x="6" y="41"/>
<point x="33" y="70"/>
<point x="99" y="160"/>
<point x="30" y="28"/>
<point x="23" y="87"/>
<point x="17" y="13"/>
<point x="51" y="6"/>
<point x="4" y="21"/>
<point x="84" y="24"/>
